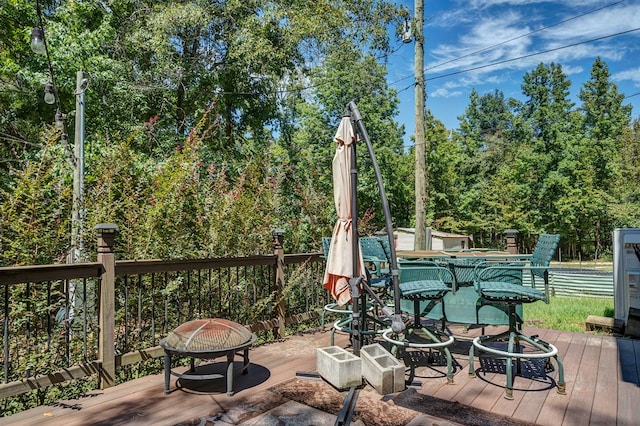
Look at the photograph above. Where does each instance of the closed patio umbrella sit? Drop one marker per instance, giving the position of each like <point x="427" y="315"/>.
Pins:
<point x="345" y="275"/>
<point x="340" y="264"/>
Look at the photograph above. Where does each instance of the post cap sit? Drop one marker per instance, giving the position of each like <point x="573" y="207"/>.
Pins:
<point x="106" y="228"/>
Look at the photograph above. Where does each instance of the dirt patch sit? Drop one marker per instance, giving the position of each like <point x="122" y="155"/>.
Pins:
<point x="370" y="408"/>
<point x="401" y="408"/>
<point x="452" y="411"/>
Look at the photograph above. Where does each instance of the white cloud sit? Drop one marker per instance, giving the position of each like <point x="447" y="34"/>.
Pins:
<point x="629" y="75"/>
<point x="516" y="38"/>
<point x="569" y="70"/>
<point x="444" y="93"/>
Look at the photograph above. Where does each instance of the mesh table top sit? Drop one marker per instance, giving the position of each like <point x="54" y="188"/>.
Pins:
<point x="207" y="335"/>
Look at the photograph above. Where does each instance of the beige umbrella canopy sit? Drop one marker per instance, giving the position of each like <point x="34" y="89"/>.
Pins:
<point x="340" y="257"/>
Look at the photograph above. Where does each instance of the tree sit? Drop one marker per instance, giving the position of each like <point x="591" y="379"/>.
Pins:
<point x="605" y="119"/>
<point x="484" y="137"/>
<point x="444" y="159"/>
<point x="348" y="74"/>
<point x="547" y="106"/>
<point x="545" y="112"/>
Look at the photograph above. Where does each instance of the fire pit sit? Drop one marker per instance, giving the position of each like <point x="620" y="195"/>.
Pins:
<point x="207" y="339"/>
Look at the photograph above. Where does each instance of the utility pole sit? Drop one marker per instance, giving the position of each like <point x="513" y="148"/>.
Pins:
<point x="421" y="177"/>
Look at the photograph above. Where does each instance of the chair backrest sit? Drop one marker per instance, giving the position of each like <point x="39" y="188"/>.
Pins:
<point x="384" y="242"/>
<point x="422" y="270"/>
<point x="505" y="273"/>
<point x="544" y="251"/>
<point x="372" y="249"/>
<point x="464" y="270"/>
<point x="326" y="244"/>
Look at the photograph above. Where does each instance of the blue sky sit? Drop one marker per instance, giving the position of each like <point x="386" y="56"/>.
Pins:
<point x="462" y="37"/>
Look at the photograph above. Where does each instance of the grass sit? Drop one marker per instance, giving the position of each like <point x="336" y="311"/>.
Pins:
<point x="566" y="313"/>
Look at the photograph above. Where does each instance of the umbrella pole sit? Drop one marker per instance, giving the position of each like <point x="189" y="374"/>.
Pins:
<point x="355" y="280"/>
<point x="356" y="120"/>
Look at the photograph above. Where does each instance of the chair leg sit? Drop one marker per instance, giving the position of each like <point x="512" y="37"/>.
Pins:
<point x="513" y="353"/>
<point x="437" y="343"/>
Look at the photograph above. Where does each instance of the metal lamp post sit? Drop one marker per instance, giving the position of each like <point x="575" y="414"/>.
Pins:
<point x="77" y="209"/>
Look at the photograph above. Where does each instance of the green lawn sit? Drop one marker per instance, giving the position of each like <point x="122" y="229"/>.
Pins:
<point x="566" y="313"/>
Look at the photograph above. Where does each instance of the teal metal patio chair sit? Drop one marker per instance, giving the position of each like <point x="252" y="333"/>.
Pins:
<point x="502" y="283"/>
<point x="424" y="281"/>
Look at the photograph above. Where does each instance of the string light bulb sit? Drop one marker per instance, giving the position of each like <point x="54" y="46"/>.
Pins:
<point x="49" y="95"/>
<point x="37" y="41"/>
<point x="59" y="120"/>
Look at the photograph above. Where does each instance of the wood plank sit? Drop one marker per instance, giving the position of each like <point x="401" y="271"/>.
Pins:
<point x="552" y="413"/>
<point x="39" y="382"/>
<point x="532" y="402"/>
<point x="527" y="403"/>
<point x="142" y="401"/>
<point x="628" y="383"/>
<point x="581" y="398"/>
<point x="494" y="390"/>
<point x="606" y="388"/>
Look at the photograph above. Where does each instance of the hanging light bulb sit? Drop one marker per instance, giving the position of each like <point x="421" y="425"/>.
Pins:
<point x="49" y="96"/>
<point x="37" y="41"/>
<point x="59" y="120"/>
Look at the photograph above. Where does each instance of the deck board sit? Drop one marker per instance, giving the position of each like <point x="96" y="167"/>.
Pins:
<point x="526" y="403"/>
<point x="584" y="386"/>
<point x="601" y="373"/>
<point x="627" y="382"/>
<point x="605" y="401"/>
<point x="552" y="412"/>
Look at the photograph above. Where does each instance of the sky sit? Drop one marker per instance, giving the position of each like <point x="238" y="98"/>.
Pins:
<point x="491" y="44"/>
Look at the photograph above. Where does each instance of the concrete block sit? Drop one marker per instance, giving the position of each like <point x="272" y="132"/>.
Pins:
<point x="340" y="368"/>
<point x="381" y="369"/>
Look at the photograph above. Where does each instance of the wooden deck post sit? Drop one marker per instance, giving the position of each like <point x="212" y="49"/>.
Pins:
<point x="511" y="235"/>
<point x="106" y="348"/>
<point x="278" y="250"/>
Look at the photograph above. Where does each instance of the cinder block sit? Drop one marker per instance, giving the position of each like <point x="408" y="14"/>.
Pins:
<point x="340" y="368"/>
<point x="381" y="369"/>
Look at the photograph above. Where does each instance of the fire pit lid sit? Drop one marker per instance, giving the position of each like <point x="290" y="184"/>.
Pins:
<point x="207" y="335"/>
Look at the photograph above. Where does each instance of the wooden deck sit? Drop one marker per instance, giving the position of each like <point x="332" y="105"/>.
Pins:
<point x="601" y="372"/>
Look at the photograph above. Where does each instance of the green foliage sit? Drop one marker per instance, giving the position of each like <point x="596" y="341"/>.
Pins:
<point x="33" y="207"/>
<point x="538" y="166"/>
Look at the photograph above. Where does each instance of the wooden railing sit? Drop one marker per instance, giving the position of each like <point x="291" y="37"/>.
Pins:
<point x="63" y="322"/>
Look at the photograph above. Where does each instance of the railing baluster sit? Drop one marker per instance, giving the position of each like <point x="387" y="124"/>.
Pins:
<point x="49" y="315"/>
<point x="126" y="314"/>
<point x="165" y="329"/>
<point x="199" y="294"/>
<point x="67" y="323"/>
<point x="153" y="310"/>
<point x="84" y="319"/>
<point x="139" y="320"/>
<point x="6" y="333"/>
<point x="189" y="307"/>
<point x="210" y="293"/>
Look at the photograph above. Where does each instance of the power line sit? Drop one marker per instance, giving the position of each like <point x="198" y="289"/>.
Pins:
<point x="505" y="42"/>
<point x="532" y="54"/>
<point x="523" y="35"/>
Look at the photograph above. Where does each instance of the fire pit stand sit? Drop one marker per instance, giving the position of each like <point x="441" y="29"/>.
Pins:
<point x="207" y="339"/>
